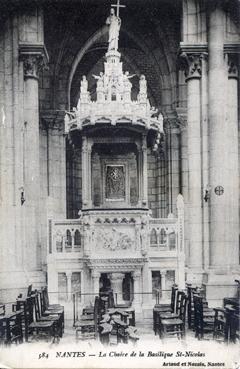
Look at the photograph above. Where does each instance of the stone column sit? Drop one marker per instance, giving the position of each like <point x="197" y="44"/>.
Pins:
<point x="233" y="160"/>
<point x="147" y="287"/>
<point x="86" y="173"/>
<point x="69" y="285"/>
<point x="116" y="284"/>
<point x="193" y="75"/>
<point x="223" y="253"/>
<point x="163" y="284"/>
<point x="33" y="60"/>
<point x="144" y="171"/>
<point x="95" y="282"/>
<point x="173" y="165"/>
<point x="140" y="173"/>
<point x="205" y="159"/>
<point x="137" y="289"/>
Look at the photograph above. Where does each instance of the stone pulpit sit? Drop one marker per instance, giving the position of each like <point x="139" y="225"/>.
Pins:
<point x="115" y="134"/>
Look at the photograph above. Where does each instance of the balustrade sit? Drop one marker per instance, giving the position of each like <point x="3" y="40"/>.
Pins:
<point x="135" y="231"/>
<point x="65" y="236"/>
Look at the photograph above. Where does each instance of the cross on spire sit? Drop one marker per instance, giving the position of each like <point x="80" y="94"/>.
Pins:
<point x="118" y="6"/>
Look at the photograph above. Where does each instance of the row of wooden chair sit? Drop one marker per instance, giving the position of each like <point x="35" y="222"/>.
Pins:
<point x="32" y="318"/>
<point x="220" y="323"/>
<point x="169" y="320"/>
<point x="161" y="308"/>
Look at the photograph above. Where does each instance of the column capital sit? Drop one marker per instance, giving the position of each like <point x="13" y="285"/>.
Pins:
<point x="52" y="120"/>
<point x="232" y="65"/>
<point x="136" y="274"/>
<point x="191" y="63"/>
<point x="95" y="274"/>
<point x="86" y="144"/>
<point x="117" y="276"/>
<point x="68" y="274"/>
<point x="34" y="57"/>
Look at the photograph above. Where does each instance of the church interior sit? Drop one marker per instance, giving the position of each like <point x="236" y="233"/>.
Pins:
<point x="119" y="169"/>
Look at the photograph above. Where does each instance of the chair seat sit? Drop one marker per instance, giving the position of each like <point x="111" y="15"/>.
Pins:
<point x="57" y="312"/>
<point x="87" y="317"/>
<point x="208" y="321"/>
<point x="174" y="321"/>
<point x="88" y="310"/>
<point x="168" y="315"/>
<point x="162" y="309"/>
<point x="48" y="318"/>
<point x="42" y="324"/>
<point x="162" y="305"/>
<point x="55" y="306"/>
<point x="84" y="323"/>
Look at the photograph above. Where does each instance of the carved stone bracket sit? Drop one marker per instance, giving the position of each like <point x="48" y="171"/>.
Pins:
<point x="34" y="57"/>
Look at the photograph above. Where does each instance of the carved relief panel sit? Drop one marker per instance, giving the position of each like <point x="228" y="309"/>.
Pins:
<point x="115" y="182"/>
<point x="115" y="179"/>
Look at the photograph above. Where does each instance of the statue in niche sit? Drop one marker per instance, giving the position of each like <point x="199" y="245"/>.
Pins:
<point x="142" y="85"/>
<point x="115" y="182"/>
<point x="126" y="82"/>
<point x="114" y="23"/>
<point x="84" y="85"/>
<point x="100" y="82"/>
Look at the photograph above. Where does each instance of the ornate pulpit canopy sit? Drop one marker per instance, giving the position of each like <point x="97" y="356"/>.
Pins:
<point x="114" y="105"/>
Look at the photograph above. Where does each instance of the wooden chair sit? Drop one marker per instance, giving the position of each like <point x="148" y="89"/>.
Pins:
<point x="203" y="318"/>
<point x="172" y="314"/>
<point x="57" y="311"/>
<point x="174" y="324"/>
<point x="190" y="309"/>
<point x="120" y="327"/>
<point x="11" y="328"/>
<point x="160" y="308"/>
<point x="234" y="335"/>
<point x="48" y="317"/>
<point x="33" y="329"/>
<point x="86" y="327"/>
<point x="131" y="316"/>
<point x="45" y="301"/>
<point x="105" y="330"/>
<point x="14" y="332"/>
<point x="222" y="323"/>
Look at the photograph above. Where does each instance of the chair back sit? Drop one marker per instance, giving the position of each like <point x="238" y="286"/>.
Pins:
<point x="36" y="305"/>
<point x="178" y="301"/>
<point x="42" y="301"/>
<point x="198" y="312"/>
<point x="183" y="307"/>
<point x="2" y="309"/>
<point x="14" y="332"/>
<point x="29" y="290"/>
<point x="45" y="298"/>
<point x="173" y="297"/>
<point x="110" y="299"/>
<point x="96" y="312"/>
